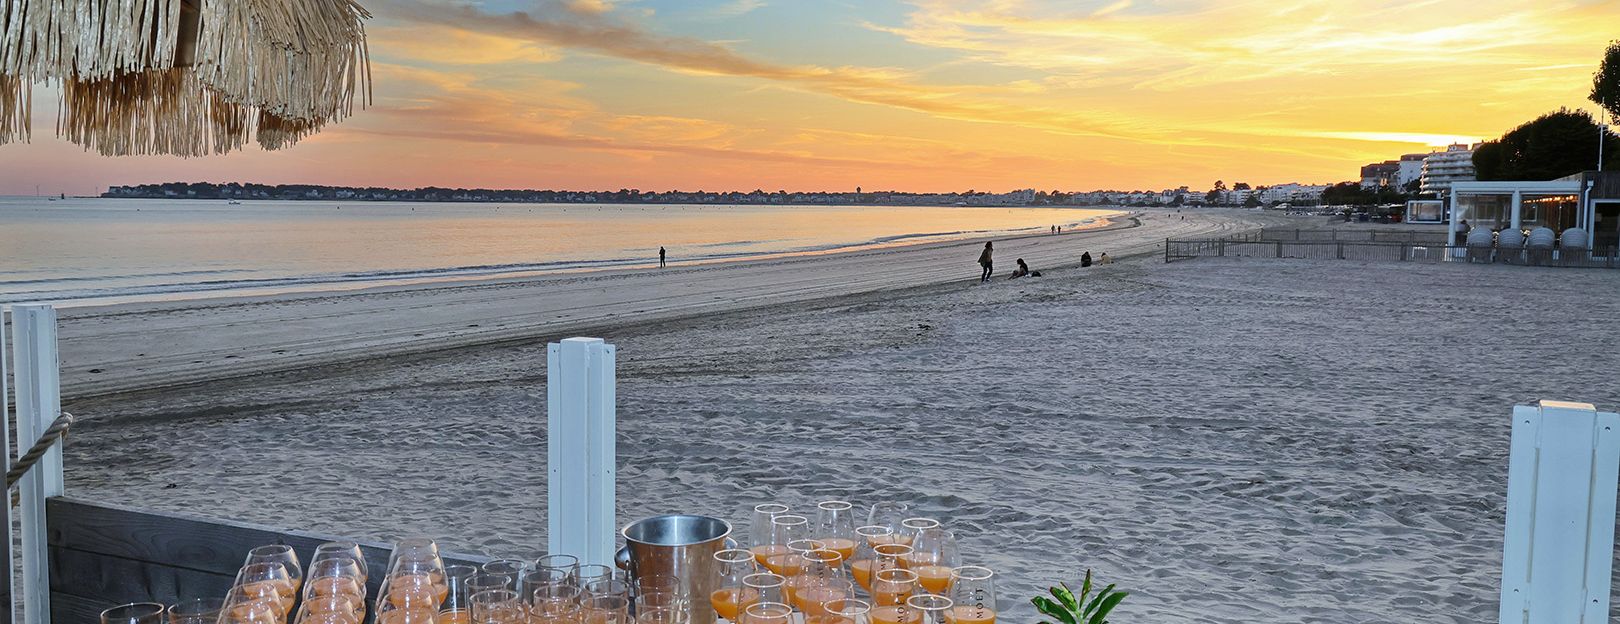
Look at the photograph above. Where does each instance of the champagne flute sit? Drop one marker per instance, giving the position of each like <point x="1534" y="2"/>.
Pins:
<point x="195" y="611"/>
<point x="457" y="605"/>
<point x="974" y="592"/>
<point x="888" y="514"/>
<point x="762" y="531"/>
<point x="134" y="613"/>
<point x="865" y="559"/>
<point x="934" y="554"/>
<point x="935" y="609"/>
<point x="893" y="587"/>
<point x="767" y="613"/>
<point x="282" y="554"/>
<point x="848" y="611"/>
<point x="835" y="527"/>
<point x="335" y="576"/>
<point x="341" y="550"/>
<point x="733" y="564"/>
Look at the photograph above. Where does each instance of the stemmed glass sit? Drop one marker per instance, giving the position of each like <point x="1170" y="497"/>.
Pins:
<point x="767" y="613"/>
<point x="765" y="587"/>
<point x="415" y="549"/>
<point x="422" y="579"/>
<point x="282" y="554"/>
<point x="250" y="612"/>
<point x="332" y="609"/>
<point x="835" y="527"/>
<point x="785" y="529"/>
<point x="861" y="565"/>
<point x="410" y="608"/>
<point x="974" y="592"/>
<point x="134" y="613"/>
<point x="935" y="609"/>
<point x="337" y="576"/>
<point x="731" y="597"/>
<point x="813" y="599"/>
<point x="763" y="531"/>
<point x="934" y="553"/>
<point x="818" y="569"/>
<point x="910" y="527"/>
<point x="267" y="583"/>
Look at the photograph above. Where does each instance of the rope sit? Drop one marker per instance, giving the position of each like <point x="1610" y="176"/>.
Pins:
<point x="57" y="430"/>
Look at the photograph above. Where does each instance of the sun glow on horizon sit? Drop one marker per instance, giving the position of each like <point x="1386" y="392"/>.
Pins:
<point x="921" y="95"/>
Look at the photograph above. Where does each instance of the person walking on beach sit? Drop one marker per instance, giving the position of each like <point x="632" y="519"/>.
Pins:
<point x="661" y="257"/>
<point x="986" y="262"/>
<point x="1085" y="260"/>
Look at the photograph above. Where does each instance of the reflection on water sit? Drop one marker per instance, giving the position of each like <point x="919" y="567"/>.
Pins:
<point x="150" y="249"/>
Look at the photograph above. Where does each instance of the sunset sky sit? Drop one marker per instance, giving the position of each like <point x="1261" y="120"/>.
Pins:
<point x="911" y="95"/>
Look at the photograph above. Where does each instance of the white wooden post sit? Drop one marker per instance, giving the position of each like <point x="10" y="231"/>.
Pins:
<point x="1564" y="466"/>
<point x="39" y="402"/>
<point x="580" y="449"/>
<point x="10" y="601"/>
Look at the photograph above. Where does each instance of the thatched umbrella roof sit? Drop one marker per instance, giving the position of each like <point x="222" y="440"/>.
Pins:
<point x="184" y="77"/>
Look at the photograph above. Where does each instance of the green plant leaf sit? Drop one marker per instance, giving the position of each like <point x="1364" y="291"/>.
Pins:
<point x="1065" y="596"/>
<point x="1096" y="601"/>
<point x="1108" y="604"/>
<point x="1046" y="606"/>
<point x="1086" y="588"/>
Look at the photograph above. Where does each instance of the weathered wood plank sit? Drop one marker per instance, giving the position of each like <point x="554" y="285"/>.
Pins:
<point x="70" y="609"/>
<point x="115" y="580"/>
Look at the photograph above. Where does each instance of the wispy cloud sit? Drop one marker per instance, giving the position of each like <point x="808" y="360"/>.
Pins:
<point x="737" y="8"/>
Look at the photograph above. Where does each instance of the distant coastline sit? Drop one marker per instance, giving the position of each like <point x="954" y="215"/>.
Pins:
<point x="311" y="192"/>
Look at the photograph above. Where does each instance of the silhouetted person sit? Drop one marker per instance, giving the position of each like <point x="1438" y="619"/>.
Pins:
<point x="661" y="256"/>
<point x="986" y="262"/>
<point x="1085" y="259"/>
<point x="1023" y="271"/>
<point x="1104" y="259"/>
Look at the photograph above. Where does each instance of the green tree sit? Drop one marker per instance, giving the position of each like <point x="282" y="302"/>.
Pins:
<point x="1606" y="84"/>
<point x="1252" y="202"/>
<point x="1552" y="146"/>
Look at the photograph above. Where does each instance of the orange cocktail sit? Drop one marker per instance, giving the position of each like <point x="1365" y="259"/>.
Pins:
<point x="761" y="553"/>
<point x="895" y="614"/>
<point x="971" y="614"/>
<point x="933" y="578"/>
<point x="844" y="547"/>
<point x="862" y="571"/>
<point x="731" y="601"/>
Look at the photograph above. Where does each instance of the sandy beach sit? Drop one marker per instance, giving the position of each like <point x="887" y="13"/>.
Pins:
<point x="1230" y="440"/>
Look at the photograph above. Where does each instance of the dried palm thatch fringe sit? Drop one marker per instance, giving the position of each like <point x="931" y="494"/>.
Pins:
<point x="280" y="133"/>
<point x="15" y="109"/>
<point x="89" y="39"/>
<point x="158" y="112"/>
<point x="295" y="59"/>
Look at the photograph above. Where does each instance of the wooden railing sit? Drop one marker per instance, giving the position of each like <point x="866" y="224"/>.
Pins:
<point x="103" y="555"/>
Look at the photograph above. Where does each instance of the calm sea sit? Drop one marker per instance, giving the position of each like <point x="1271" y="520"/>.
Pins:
<point x="108" y="250"/>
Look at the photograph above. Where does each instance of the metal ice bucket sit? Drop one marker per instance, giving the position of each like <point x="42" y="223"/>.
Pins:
<point x="682" y="547"/>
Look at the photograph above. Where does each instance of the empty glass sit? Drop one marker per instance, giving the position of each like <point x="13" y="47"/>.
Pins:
<point x="608" y="587"/>
<point x="767" y="613"/>
<point x="835" y="527"/>
<point x="555" y="604"/>
<point x="765" y="587"/>
<point x="889" y="515"/>
<point x="607" y="610"/>
<point x="935" y="609"/>
<point x="498" y="606"/>
<point x="134" y="613"/>
<point x="485" y="581"/>
<point x="974" y="592"/>
<point x="728" y="599"/>
<point x="195" y="611"/>
<point x="512" y="568"/>
<point x="658" y="583"/>
<point x="660" y="615"/>
<point x="282" y="554"/>
<point x="592" y="572"/>
<point x="568" y="565"/>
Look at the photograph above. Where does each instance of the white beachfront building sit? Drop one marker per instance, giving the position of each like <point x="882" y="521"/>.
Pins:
<point x="1442" y="169"/>
<point x="1589" y="201"/>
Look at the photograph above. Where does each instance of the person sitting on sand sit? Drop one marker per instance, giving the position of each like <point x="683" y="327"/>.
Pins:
<point x="1085" y="259"/>
<point x="986" y="262"/>
<point x="1104" y="259"/>
<point x="1023" y="271"/>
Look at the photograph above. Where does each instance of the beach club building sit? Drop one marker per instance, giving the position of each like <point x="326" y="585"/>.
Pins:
<point x="1588" y="202"/>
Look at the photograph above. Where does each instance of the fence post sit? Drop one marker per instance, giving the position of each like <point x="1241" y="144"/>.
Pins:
<point x="1279" y="247"/>
<point x="1341" y="248"/>
<point x="39" y="402"/>
<point x="580" y="449"/>
<point x="1563" y="467"/>
<point x="1223" y="249"/>
<point x="7" y="601"/>
<point x="1167" y="251"/>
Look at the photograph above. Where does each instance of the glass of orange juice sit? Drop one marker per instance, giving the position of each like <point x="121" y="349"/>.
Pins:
<point x="767" y="613"/>
<point x="765" y="587"/>
<point x="762" y="532"/>
<point x="734" y="564"/>
<point x="835" y="527"/>
<point x="935" y="609"/>
<point x="910" y="527"/>
<point x="933" y="554"/>
<point x="974" y="591"/>
<point x="893" y="587"/>
<point x="848" y="611"/>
